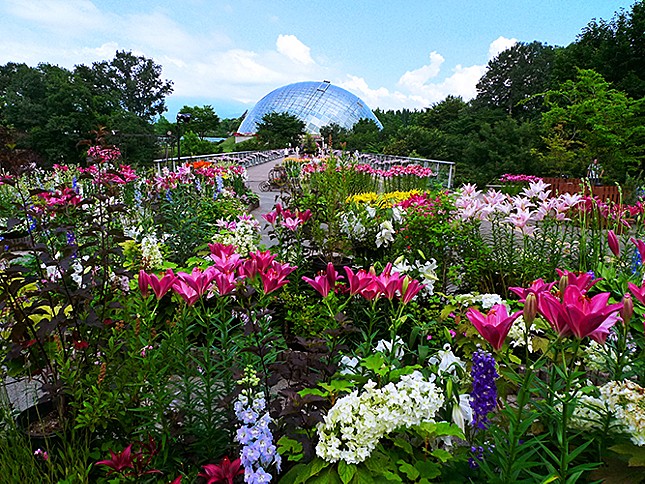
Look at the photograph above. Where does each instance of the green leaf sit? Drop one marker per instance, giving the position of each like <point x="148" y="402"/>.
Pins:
<point x="428" y="469"/>
<point x="313" y="391"/>
<point x="442" y="455"/>
<point x="346" y="471"/>
<point x="375" y="363"/>
<point x="403" y="444"/>
<point x="291" y="448"/>
<point x="408" y="469"/>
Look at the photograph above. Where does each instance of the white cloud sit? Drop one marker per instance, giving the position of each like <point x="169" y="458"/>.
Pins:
<point x="64" y="16"/>
<point x="418" y="77"/>
<point x="500" y="44"/>
<point x="291" y="47"/>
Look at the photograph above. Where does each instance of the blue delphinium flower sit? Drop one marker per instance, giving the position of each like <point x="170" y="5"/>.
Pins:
<point x="483" y="397"/>
<point x="168" y="196"/>
<point x="636" y="261"/>
<point x="258" y="450"/>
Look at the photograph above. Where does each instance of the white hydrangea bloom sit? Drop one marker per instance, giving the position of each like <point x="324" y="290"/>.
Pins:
<point x="150" y="252"/>
<point x="355" y="424"/>
<point x="626" y="401"/>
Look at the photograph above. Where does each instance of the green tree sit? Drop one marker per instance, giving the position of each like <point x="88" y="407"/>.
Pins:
<point x="515" y="76"/>
<point x="337" y="133"/>
<point x="203" y="120"/>
<point x="133" y="82"/>
<point x="615" y="49"/>
<point x="279" y="130"/>
<point x="587" y="119"/>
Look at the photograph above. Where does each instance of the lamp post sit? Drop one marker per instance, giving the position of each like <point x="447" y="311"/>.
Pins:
<point x="181" y="117"/>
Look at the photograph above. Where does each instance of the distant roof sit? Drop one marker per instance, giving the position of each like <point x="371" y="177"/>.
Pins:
<point x="318" y="104"/>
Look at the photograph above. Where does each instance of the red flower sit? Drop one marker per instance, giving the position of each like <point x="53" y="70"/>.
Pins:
<point x="224" y="472"/>
<point x="613" y="243"/>
<point x="119" y="462"/>
<point x="579" y="314"/>
<point x="495" y="325"/>
<point x="324" y="283"/>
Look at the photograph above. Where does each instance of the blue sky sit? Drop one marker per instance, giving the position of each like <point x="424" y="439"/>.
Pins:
<point x="391" y="53"/>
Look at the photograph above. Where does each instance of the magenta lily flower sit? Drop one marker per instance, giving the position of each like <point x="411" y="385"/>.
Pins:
<point x="324" y="283"/>
<point x="638" y="292"/>
<point x="409" y="289"/>
<point x="493" y="326"/>
<point x="579" y="314"/>
<point x="144" y="282"/>
<point x="389" y="284"/>
<point x="538" y="286"/>
<point x="291" y="223"/>
<point x="274" y="277"/>
<point x="584" y="280"/>
<point x="119" y="461"/>
<point x="221" y="251"/>
<point x="270" y="217"/>
<point x="159" y="286"/>
<point x="357" y="282"/>
<point x="193" y="286"/>
<point x="225" y="472"/>
<point x="640" y="246"/>
<point x="612" y="241"/>
<point x="224" y="282"/>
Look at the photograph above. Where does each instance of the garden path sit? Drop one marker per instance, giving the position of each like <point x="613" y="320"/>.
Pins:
<point x="257" y="174"/>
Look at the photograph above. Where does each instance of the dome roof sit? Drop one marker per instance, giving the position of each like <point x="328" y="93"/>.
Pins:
<point x="318" y="104"/>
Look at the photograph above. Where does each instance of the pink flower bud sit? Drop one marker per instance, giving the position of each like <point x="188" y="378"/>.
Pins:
<point x="612" y="240"/>
<point x="627" y="311"/>
<point x="530" y="309"/>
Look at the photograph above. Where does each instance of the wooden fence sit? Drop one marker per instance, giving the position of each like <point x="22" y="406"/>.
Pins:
<point x="577" y="185"/>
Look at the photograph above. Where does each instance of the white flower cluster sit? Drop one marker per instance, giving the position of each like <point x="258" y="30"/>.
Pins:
<point x="424" y="271"/>
<point x="596" y="356"/>
<point x="151" y="257"/>
<point x="386" y="234"/>
<point x="355" y="424"/>
<point x="486" y="301"/>
<point x="352" y="226"/>
<point x="244" y="234"/>
<point x="626" y="401"/>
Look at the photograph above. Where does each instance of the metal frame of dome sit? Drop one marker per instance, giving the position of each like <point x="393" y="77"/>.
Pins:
<point x="318" y="104"/>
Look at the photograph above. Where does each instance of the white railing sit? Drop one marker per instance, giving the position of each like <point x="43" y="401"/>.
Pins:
<point x="443" y="170"/>
<point x="244" y="158"/>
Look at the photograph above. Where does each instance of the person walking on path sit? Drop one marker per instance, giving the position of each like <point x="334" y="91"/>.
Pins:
<point x="595" y="172"/>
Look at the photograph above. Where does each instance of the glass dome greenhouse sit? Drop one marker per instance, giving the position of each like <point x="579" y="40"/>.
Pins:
<point x="318" y="104"/>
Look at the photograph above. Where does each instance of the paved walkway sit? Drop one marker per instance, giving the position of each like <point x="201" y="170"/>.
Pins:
<point x="257" y="174"/>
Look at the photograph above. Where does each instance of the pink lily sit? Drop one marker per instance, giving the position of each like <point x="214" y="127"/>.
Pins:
<point x="224" y="282"/>
<point x="192" y="286"/>
<point x="409" y="289"/>
<point x="495" y="325"/>
<point x="159" y="286"/>
<point x="324" y="283"/>
<point x="274" y="277"/>
<point x="640" y="246"/>
<point x="584" y="280"/>
<point x="638" y="292"/>
<point x="357" y="282"/>
<point x="613" y="243"/>
<point x="579" y="314"/>
<point x="225" y="472"/>
<point x="291" y="223"/>
<point x="144" y="282"/>
<point x="538" y="286"/>
<point x="221" y="251"/>
<point x="270" y="217"/>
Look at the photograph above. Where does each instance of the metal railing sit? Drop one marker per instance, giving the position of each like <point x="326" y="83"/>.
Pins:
<point x="244" y="158"/>
<point x="443" y="170"/>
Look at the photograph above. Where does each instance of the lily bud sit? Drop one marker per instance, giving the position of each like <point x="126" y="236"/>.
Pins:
<point x="627" y="311"/>
<point x="564" y="282"/>
<point x="612" y="240"/>
<point x="530" y="309"/>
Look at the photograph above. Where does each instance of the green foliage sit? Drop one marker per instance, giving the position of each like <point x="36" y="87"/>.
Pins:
<point x="586" y="119"/>
<point x="279" y="130"/>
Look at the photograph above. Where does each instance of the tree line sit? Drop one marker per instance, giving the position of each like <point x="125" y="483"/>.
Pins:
<point x="539" y="109"/>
